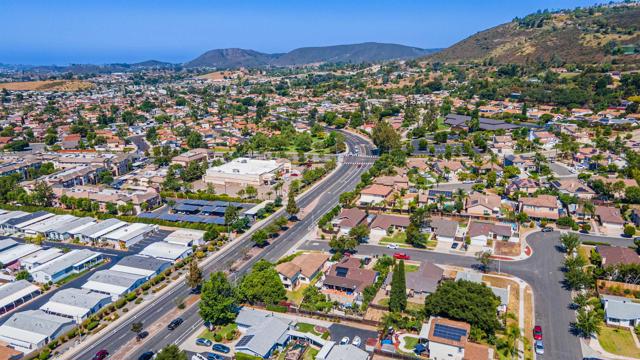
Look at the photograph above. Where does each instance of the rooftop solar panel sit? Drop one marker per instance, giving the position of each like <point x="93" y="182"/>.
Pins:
<point x="147" y="215"/>
<point x="245" y="340"/>
<point x="449" y="332"/>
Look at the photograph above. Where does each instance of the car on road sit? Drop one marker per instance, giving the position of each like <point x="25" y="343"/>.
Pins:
<point x="356" y="341"/>
<point x="213" y="356"/>
<point x="537" y="332"/>
<point x="539" y="347"/>
<point x="174" y="323"/>
<point x="146" y="356"/>
<point x="101" y="355"/>
<point x="344" y="341"/>
<point x="547" y="229"/>
<point x="203" y="342"/>
<point x="393" y="246"/>
<point x="401" y="256"/>
<point x="221" y="348"/>
<point x="141" y="335"/>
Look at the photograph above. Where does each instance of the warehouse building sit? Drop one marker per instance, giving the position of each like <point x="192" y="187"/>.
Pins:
<point x="186" y="237"/>
<point x="165" y="251"/>
<point x="72" y="262"/>
<point x="113" y="283"/>
<point x="40" y="257"/>
<point x="75" y="304"/>
<point x="10" y="257"/>
<point x="141" y="265"/>
<point x="63" y="231"/>
<point x="94" y="232"/>
<point x="15" y="294"/>
<point x="129" y="235"/>
<point x="29" y="330"/>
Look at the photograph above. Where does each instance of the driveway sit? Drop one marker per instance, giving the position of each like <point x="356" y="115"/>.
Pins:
<point x="338" y="331"/>
<point x="560" y="169"/>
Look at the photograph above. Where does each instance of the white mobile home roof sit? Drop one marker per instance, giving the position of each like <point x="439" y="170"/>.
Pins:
<point x="11" y="292"/>
<point x="129" y="232"/>
<point x="16" y="252"/>
<point x="102" y="228"/>
<point x="74" y="224"/>
<point x="72" y="258"/>
<point x="34" y="220"/>
<point x="47" y="224"/>
<point x="73" y="302"/>
<point x="11" y="215"/>
<point x="7" y="243"/>
<point x="184" y="237"/>
<point x="80" y="228"/>
<point x="41" y="257"/>
<point x="32" y="325"/>
<point x="166" y="251"/>
<point x="140" y="265"/>
<point x="111" y="281"/>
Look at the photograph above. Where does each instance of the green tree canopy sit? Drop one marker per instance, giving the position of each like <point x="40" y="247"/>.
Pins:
<point x="262" y="285"/>
<point x="218" y="301"/>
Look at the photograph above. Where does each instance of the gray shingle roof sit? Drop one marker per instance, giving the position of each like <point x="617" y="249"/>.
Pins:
<point x="621" y="308"/>
<point x="37" y="321"/>
<point x="81" y="298"/>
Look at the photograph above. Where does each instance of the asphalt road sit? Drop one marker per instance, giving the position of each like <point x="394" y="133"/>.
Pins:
<point x="542" y="271"/>
<point x="139" y="142"/>
<point x="322" y="198"/>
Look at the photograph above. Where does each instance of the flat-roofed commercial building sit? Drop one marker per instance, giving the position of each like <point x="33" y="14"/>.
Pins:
<point x="72" y="262"/>
<point x="185" y="237"/>
<point x="245" y="172"/>
<point x="75" y="304"/>
<point x="15" y="294"/>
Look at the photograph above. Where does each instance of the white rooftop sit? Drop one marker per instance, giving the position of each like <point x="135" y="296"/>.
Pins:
<point x="245" y="166"/>
<point x="164" y="250"/>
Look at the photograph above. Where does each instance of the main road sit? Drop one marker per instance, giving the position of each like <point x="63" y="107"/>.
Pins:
<point x="315" y="203"/>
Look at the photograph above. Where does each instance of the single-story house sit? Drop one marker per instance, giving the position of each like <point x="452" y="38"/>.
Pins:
<point x="166" y="251"/>
<point x="350" y="218"/>
<point x="443" y="229"/>
<point x="449" y="340"/>
<point x="72" y="262"/>
<point x="113" y="283"/>
<point x="141" y="265"/>
<point x="621" y="311"/>
<point x="383" y="225"/>
<point x="610" y="217"/>
<point x="16" y="293"/>
<point x="480" y="232"/>
<point x="345" y="281"/>
<point x="32" y="329"/>
<point x="617" y="255"/>
<point x="75" y="304"/>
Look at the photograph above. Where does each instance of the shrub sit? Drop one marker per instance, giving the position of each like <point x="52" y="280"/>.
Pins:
<point x="92" y="325"/>
<point x="125" y="310"/>
<point x="120" y="303"/>
<point x="131" y="296"/>
<point x="217" y="337"/>
<point x="138" y="300"/>
<point x="44" y="355"/>
<point x="53" y="344"/>
<point x="230" y="335"/>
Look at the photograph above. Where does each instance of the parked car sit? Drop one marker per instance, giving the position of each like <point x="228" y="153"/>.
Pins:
<point x="203" y="342"/>
<point x="393" y="246"/>
<point x="539" y="347"/>
<point x="344" y="341"/>
<point x="214" y="356"/>
<point x="454" y="245"/>
<point x="146" y="356"/>
<point x="537" y="332"/>
<point x="356" y="341"/>
<point x="101" y="355"/>
<point x="174" y="323"/>
<point x="221" y="348"/>
<point x="198" y="357"/>
<point x="401" y="256"/>
<point x="547" y="229"/>
<point x="141" y="335"/>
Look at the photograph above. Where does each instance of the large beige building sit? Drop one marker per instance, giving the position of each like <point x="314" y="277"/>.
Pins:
<point x="244" y="171"/>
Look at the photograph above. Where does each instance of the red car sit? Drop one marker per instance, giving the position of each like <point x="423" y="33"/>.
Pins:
<point x="401" y="256"/>
<point x="537" y="332"/>
<point x="101" y="355"/>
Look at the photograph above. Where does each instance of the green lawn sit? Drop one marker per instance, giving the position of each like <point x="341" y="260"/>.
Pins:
<point x="410" y="342"/>
<point x="223" y="331"/>
<point x="307" y="328"/>
<point x="310" y="354"/>
<point x="410" y="305"/>
<point x="618" y="341"/>
<point x="399" y="238"/>
<point x="297" y="295"/>
<point x="410" y="268"/>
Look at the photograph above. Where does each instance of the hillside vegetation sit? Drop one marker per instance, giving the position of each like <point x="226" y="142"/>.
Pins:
<point x="585" y="35"/>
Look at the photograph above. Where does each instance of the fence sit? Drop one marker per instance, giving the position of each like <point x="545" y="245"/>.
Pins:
<point x="295" y="310"/>
<point x="395" y="355"/>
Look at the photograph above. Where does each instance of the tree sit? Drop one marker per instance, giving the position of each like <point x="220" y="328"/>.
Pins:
<point x="629" y="230"/>
<point x="230" y="215"/>
<point x="262" y="285"/>
<point x="484" y="258"/>
<point x="218" y="301"/>
<point x="194" y="279"/>
<point x="513" y="336"/>
<point x="171" y="352"/>
<point x="570" y="242"/>
<point x="359" y="233"/>
<point x="136" y="327"/>
<point x="292" y="208"/>
<point x="194" y="140"/>
<point x="588" y="322"/>
<point x="398" y="296"/>
<point x="343" y="244"/>
<point x="314" y="300"/>
<point x="260" y="238"/>
<point x="22" y="275"/>
<point x="251" y="191"/>
<point x="465" y="301"/>
<point x="385" y="137"/>
<point x="43" y="194"/>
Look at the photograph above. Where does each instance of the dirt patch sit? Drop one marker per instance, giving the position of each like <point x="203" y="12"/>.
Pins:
<point x="505" y="248"/>
<point x="374" y="314"/>
<point x="48" y="85"/>
<point x="514" y="292"/>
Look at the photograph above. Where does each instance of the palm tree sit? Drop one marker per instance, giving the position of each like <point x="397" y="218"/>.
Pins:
<point x="513" y="337"/>
<point x="588" y="322"/>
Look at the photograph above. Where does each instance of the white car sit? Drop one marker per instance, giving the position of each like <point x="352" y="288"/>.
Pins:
<point x="198" y="357"/>
<point x="344" y="341"/>
<point x="356" y="341"/>
<point x="393" y="246"/>
<point x="539" y="347"/>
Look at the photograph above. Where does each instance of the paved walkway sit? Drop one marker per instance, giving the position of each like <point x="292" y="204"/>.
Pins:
<point x="594" y="345"/>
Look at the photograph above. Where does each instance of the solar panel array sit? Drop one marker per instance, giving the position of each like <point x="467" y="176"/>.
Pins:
<point x="449" y="332"/>
<point x="245" y="340"/>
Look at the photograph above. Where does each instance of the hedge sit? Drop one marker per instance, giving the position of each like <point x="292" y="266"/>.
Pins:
<point x="205" y="196"/>
<point x="277" y="308"/>
<point x="92" y="325"/>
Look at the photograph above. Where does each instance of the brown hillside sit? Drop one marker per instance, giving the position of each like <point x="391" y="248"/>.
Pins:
<point x="48" y="85"/>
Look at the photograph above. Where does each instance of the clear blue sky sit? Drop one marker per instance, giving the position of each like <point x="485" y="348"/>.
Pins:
<point x="88" y="31"/>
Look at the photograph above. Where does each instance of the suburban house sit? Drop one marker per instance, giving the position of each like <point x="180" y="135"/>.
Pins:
<point x="345" y="281"/>
<point x="610" y="217"/>
<point x="73" y="262"/>
<point x="521" y="162"/>
<point x="480" y="232"/>
<point x="545" y="138"/>
<point x="350" y="218"/>
<point x="527" y="186"/>
<point x="333" y="351"/>
<point x="621" y="311"/>
<point x="616" y="255"/>
<point x="288" y="273"/>
<point x="443" y="229"/>
<point x="479" y="204"/>
<point x="573" y="187"/>
<point x="397" y="182"/>
<point x="375" y="194"/>
<point x="541" y="207"/>
<point x="263" y="338"/>
<point x="448" y="168"/>
<point x="503" y="145"/>
<point x="385" y="225"/>
<point x="449" y="340"/>
<point x="420" y="283"/>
